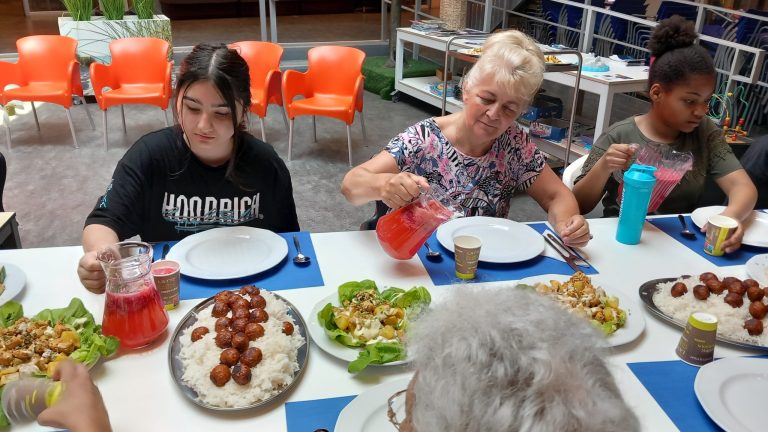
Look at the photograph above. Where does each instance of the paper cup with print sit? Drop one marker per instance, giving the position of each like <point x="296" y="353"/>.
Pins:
<point x="697" y="343"/>
<point x="719" y="229"/>
<point x="467" y="251"/>
<point x="167" y="278"/>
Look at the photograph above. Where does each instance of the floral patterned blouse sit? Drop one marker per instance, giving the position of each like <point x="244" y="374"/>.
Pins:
<point x="482" y="185"/>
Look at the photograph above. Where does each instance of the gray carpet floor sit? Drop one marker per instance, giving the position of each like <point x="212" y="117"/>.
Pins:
<point x="52" y="186"/>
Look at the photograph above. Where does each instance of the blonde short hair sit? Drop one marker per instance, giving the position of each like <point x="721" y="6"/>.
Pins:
<point x="515" y="61"/>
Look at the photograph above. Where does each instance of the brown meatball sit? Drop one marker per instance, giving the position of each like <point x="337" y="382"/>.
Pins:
<point x="251" y="357"/>
<point x="240" y="313"/>
<point x="238" y="325"/>
<point x="223" y="296"/>
<point x="259" y="316"/>
<point x="198" y="333"/>
<point x="258" y="302"/>
<point x="220" y="309"/>
<point x="252" y="290"/>
<point x="750" y="283"/>
<point x="755" y="293"/>
<point x="224" y="339"/>
<point x="229" y="357"/>
<point x="765" y="291"/>
<point x="254" y="330"/>
<point x="754" y="327"/>
<point x="700" y="292"/>
<point x="287" y="328"/>
<point x="220" y="375"/>
<point x="728" y="279"/>
<point x="241" y="374"/>
<point x="222" y="323"/>
<point x="758" y="310"/>
<point x="734" y="299"/>
<point x="704" y="277"/>
<point x="240" y="303"/>
<point x="679" y="289"/>
<point x="736" y="287"/>
<point x="715" y="286"/>
<point x="240" y="341"/>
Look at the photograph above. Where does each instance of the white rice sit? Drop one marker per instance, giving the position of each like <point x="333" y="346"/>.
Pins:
<point x="730" y="320"/>
<point x="275" y="371"/>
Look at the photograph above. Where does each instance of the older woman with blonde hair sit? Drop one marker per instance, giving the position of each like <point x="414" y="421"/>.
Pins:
<point x="478" y="156"/>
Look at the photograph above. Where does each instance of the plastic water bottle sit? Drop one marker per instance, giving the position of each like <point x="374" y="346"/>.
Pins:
<point x="24" y="399"/>
<point x="638" y="185"/>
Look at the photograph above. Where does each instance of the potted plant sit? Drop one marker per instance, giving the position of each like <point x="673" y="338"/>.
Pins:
<point x="94" y="33"/>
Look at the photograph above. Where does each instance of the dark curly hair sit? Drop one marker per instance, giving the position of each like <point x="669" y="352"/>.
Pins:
<point x="676" y="55"/>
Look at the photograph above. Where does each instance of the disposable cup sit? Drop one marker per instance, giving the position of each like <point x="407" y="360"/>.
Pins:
<point x="697" y="343"/>
<point x="167" y="279"/>
<point x="467" y="251"/>
<point x="719" y="229"/>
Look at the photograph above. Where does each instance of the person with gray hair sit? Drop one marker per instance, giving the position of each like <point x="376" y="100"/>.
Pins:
<point x="478" y="156"/>
<point x="509" y="360"/>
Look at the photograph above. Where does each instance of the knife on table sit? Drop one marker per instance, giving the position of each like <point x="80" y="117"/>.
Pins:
<point x="569" y="259"/>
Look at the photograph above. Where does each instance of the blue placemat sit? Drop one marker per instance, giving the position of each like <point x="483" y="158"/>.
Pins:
<point x="285" y="275"/>
<point x="307" y="416"/>
<point x="443" y="272"/>
<point x="672" y="227"/>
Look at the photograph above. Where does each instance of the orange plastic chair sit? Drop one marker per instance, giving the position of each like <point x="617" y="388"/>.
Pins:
<point x="332" y="87"/>
<point x="140" y="73"/>
<point x="263" y="60"/>
<point x="47" y="71"/>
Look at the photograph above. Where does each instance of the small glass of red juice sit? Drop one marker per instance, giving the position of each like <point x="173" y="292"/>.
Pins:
<point x="167" y="280"/>
<point x="133" y="309"/>
<point x="402" y="232"/>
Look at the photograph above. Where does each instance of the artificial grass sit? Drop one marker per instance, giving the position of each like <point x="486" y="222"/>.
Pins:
<point x="381" y="80"/>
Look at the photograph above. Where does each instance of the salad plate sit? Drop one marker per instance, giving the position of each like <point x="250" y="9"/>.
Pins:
<point x="15" y="279"/>
<point x="634" y="325"/>
<point x="727" y="390"/>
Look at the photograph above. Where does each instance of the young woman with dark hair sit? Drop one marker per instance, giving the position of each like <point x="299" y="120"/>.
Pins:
<point x="681" y="81"/>
<point x="203" y="173"/>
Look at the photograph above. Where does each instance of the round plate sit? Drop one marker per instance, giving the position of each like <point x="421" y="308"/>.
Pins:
<point x="189" y="320"/>
<point x="755" y="227"/>
<point x="330" y="346"/>
<point x="648" y="289"/>
<point x="727" y="390"/>
<point x="633" y="326"/>
<point x="368" y="411"/>
<point x="504" y="241"/>
<point x="15" y="279"/>
<point x="229" y="253"/>
<point x="757" y="269"/>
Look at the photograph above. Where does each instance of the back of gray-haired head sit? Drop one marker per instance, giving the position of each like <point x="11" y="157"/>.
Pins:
<point x="515" y="62"/>
<point x="508" y="360"/>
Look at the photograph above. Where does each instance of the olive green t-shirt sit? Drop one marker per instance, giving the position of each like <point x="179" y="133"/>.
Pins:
<point x="711" y="157"/>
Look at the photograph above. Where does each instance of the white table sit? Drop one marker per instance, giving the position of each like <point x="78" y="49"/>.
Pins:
<point x="142" y="396"/>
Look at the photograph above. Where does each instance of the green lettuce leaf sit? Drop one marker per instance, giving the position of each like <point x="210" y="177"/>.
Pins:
<point x="327" y="320"/>
<point x="414" y="299"/>
<point x="3" y="419"/>
<point x="378" y="353"/>
<point x="348" y="290"/>
<point x="10" y="312"/>
<point x="390" y="294"/>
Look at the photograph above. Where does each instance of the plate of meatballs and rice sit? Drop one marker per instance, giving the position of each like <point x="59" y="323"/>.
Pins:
<point x="740" y="305"/>
<point x="239" y="349"/>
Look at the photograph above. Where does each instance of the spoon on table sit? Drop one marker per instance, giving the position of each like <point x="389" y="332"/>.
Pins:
<point x="431" y="254"/>
<point x="686" y="232"/>
<point x="300" y="258"/>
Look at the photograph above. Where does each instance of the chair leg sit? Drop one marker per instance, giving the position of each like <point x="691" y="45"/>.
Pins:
<point x="34" y="111"/>
<point x="87" y="111"/>
<point x="362" y="125"/>
<point x="314" y="130"/>
<point x="72" y="128"/>
<point x="122" y="112"/>
<point x="263" y="133"/>
<point x="7" y="120"/>
<point x="290" y="138"/>
<point x="349" y="143"/>
<point x="104" y="125"/>
<point x="285" y="118"/>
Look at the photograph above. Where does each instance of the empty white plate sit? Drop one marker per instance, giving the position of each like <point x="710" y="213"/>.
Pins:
<point x="229" y="253"/>
<point x="15" y="279"/>
<point x="757" y="269"/>
<point x="755" y="227"/>
<point x="368" y="411"/>
<point x="503" y="240"/>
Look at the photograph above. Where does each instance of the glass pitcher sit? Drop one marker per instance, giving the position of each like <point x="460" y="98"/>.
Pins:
<point x="133" y="309"/>
<point x="402" y="232"/>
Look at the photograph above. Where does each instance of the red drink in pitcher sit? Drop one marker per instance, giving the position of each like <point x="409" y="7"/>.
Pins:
<point x="402" y="232"/>
<point x="136" y="318"/>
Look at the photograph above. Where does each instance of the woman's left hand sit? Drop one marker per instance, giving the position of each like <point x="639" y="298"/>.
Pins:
<point x="574" y="232"/>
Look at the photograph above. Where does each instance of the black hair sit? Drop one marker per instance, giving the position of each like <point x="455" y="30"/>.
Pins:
<point x="228" y="72"/>
<point x="676" y="55"/>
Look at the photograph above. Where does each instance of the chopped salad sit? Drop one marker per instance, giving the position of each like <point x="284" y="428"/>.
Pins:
<point x="372" y="320"/>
